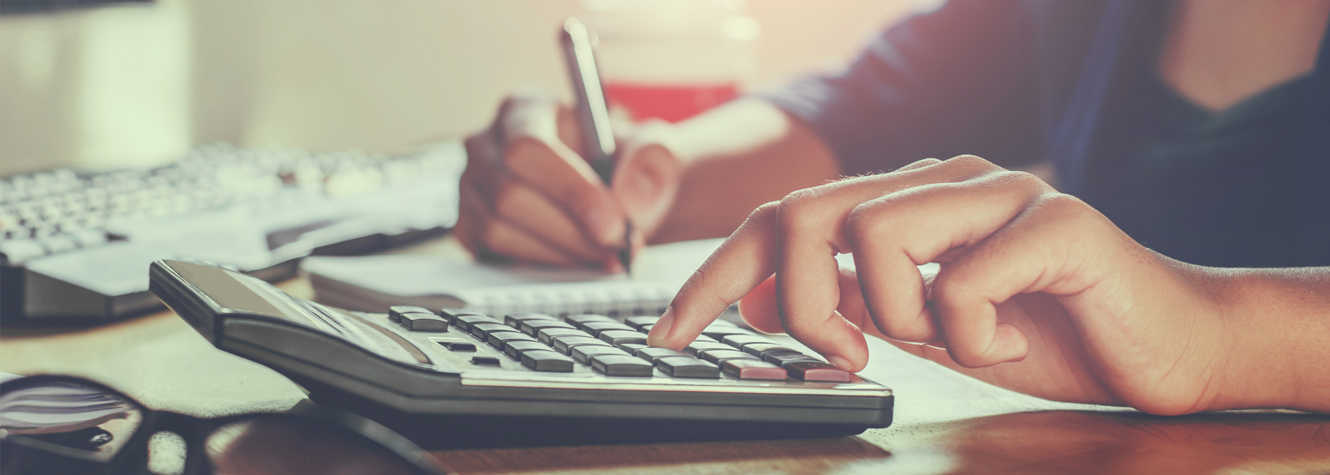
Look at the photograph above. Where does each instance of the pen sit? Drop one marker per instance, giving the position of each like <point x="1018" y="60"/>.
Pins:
<point x="593" y="116"/>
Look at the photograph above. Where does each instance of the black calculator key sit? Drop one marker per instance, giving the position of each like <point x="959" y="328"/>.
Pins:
<point x="515" y="319"/>
<point x="547" y="361"/>
<point x="761" y="349"/>
<point x="464" y="322"/>
<point x="653" y="354"/>
<point x="697" y="346"/>
<point x="688" y="367"/>
<point x="579" y="320"/>
<point x="784" y="359"/>
<point x="706" y="338"/>
<point x="452" y="313"/>
<point x="639" y="322"/>
<point x="632" y="348"/>
<point x="719" y="357"/>
<point x="484" y="360"/>
<point x="423" y="322"/>
<point x="740" y="341"/>
<point x="817" y="371"/>
<point x="719" y="331"/>
<point x="621" y="365"/>
<point x="546" y="335"/>
<point x="583" y="354"/>
<point x="619" y="337"/>
<point x="457" y="345"/>
<point x="482" y="330"/>
<point x="533" y="327"/>
<point x="646" y="328"/>
<point x="594" y="328"/>
<point x="565" y="343"/>
<point x="515" y="349"/>
<point x="500" y="339"/>
<point x="754" y="369"/>
<point x="395" y="312"/>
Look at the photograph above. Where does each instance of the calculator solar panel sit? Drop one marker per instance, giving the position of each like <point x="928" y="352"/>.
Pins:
<point x="523" y="379"/>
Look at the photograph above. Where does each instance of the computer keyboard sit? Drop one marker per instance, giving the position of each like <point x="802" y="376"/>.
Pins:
<point x="75" y="247"/>
<point x="461" y="378"/>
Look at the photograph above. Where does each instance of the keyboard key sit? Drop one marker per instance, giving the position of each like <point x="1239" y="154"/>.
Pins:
<point x="456" y="345"/>
<point x="619" y="337"/>
<point x="739" y="341"/>
<point x="515" y="320"/>
<point x="688" y="367"/>
<point x="533" y="327"/>
<point x="621" y="365"/>
<point x="653" y="354"/>
<point x="482" y="330"/>
<point x="697" y="346"/>
<point x="464" y="322"/>
<point x="719" y="331"/>
<point x="395" y="312"/>
<point x="706" y="338"/>
<point x="754" y="369"/>
<point x="638" y="322"/>
<point x="810" y="371"/>
<point x="452" y="313"/>
<point x="761" y="349"/>
<point x="484" y="360"/>
<point x="632" y="348"/>
<point x="594" y="328"/>
<point x="547" y="361"/>
<point x="515" y="349"/>
<point x="583" y="354"/>
<point x="785" y="359"/>
<point x="501" y="339"/>
<point x="719" y="357"/>
<point x="579" y="320"/>
<point x="545" y="336"/>
<point x="565" y="343"/>
<point x="423" y="322"/>
<point x="646" y="328"/>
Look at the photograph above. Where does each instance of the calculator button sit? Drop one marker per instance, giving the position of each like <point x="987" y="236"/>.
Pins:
<point x="719" y="357"/>
<point x="464" y="322"/>
<point x="482" y="330"/>
<point x="500" y="339"/>
<point x="697" y="346"/>
<point x="515" y="320"/>
<point x="818" y="371"/>
<point x="706" y="338"/>
<point x="594" y="328"/>
<point x="621" y="365"/>
<point x="547" y="361"/>
<point x="754" y="369"/>
<point x="646" y="328"/>
<point x="619" y="337"/>
<point x="688" y="367"/>
<point x="719" y="331"/>
<point x="740" y="341"/>
<point x="456" y="345"/>
<point x="484" y="360"/>
<point x="584" y="353"/>
<point x="547" y="334"/>
<point x="565" y="343"/>
<point x="639" y="322"/>
<point x="395" y="312"/>
<point x="761" y="349"/>
<point x="533" y="327"/>
<point x="653" y="354"/>
<point x="423" y="322"/>
<point x="452" y="313"/>
<point x="579" y="320"/>
<point x="784" y="359"/>
<point x="632" y="348"/>
<point x="515" y="349"/>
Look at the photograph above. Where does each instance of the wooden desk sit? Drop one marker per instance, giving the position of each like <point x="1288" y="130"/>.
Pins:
<point x="945" y="423"/>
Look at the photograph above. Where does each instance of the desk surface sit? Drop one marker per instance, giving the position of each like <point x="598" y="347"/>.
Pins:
<point x="945" y="423"/>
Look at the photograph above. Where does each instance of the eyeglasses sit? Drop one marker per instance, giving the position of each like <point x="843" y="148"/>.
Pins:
<point x="58" y="424"/>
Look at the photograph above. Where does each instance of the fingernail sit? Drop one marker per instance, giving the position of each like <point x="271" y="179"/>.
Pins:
<point x="605" y="227"/>
<point x="662" y="329"/>
<point x="836" y="361"/>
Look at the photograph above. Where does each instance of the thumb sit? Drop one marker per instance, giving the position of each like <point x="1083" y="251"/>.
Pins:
<point x="646" y="180"/>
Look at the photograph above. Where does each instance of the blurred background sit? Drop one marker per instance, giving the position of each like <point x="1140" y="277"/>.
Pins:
<point x="140" y="83"/>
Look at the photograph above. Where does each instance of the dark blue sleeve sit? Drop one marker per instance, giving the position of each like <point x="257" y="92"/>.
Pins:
<point x="960" y="79"/>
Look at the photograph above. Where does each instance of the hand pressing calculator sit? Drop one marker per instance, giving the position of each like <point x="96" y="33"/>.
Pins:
<point x="459" y="378"/>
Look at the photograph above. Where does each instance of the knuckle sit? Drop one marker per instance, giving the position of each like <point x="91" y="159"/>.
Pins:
<point x="971" y="161"/>
<point x="866" y="221"/>
<point x="797" y="209"/>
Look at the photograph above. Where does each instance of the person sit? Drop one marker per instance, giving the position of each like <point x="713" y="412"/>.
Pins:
<point x="1169" y="266"/>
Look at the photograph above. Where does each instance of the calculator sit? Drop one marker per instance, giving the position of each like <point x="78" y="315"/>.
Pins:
<point x="453" y="378"/>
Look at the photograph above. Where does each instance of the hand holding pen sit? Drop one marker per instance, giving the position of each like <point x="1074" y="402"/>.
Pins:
<point x="530" y="192"/>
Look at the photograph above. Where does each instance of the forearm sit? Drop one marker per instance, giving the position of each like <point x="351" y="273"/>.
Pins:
<point x="1281" y="347"/>
<point x="737" y="157"/>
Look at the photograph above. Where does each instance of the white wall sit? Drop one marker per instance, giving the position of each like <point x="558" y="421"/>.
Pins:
<point x="125" y="85"/>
